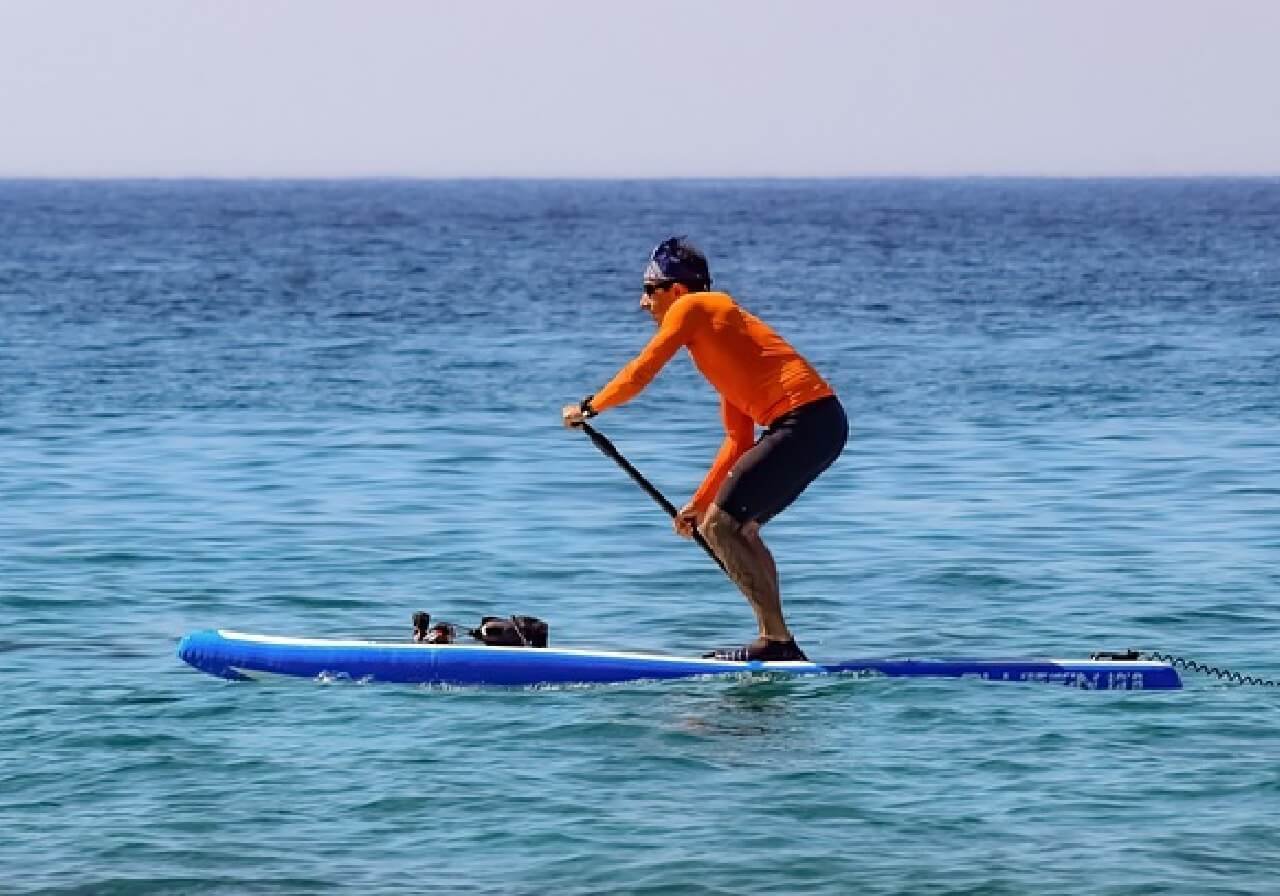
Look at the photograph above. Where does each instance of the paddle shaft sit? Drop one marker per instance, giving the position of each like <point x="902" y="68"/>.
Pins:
<point x="609" y="450"/>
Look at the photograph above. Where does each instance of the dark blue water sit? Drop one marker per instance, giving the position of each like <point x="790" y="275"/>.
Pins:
<point x="312" y="408"/>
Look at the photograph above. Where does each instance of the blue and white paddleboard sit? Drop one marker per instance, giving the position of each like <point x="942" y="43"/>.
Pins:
<point x="237" y="655"/>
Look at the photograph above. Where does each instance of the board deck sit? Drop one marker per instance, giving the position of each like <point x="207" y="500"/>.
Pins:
<point x="239" y="655"/>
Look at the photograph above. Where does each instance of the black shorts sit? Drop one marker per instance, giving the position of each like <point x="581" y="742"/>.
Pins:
<point x="790" y="454"/>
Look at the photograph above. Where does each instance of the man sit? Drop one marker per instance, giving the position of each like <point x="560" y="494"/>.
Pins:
<point x="762" y="381"/>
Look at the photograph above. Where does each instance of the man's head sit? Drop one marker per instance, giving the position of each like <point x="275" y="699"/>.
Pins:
<point x="675" y="267"/>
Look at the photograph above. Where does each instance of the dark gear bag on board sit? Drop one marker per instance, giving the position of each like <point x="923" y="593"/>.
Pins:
<point x="512" y="631"/>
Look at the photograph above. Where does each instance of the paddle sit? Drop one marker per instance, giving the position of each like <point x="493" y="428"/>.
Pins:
<point x="610" y="451"/>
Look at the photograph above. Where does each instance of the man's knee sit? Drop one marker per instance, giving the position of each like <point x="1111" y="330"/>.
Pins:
<point x="718" y="526"/>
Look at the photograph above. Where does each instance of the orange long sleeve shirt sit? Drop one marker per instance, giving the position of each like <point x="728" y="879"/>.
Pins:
<point x="758" y="374"/>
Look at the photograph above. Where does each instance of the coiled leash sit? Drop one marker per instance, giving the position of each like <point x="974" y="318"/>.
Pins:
<point x="1181" y="662"/>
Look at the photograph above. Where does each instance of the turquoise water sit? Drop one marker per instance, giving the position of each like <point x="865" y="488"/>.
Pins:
<point x="312" y="408"/>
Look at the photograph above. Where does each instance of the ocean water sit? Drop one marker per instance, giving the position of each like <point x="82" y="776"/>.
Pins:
<point x="313" y="408"/>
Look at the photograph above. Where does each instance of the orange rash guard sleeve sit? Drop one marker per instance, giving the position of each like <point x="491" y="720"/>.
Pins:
<point x="740" y="435"/>
<point x="673" y="334"/>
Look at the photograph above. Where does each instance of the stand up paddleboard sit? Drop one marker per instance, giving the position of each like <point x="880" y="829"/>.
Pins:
<point x="236" y="655"/>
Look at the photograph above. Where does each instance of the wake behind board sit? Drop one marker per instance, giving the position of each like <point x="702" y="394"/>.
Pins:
<point x="237" y="655"/>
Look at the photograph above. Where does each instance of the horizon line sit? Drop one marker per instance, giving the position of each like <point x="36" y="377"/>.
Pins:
<point x="653" y="178"/>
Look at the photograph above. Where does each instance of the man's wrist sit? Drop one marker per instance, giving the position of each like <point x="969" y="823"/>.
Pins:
<point x="585" y="406"/>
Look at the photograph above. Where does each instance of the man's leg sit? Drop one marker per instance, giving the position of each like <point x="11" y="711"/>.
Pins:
<point x="750" y="566"/>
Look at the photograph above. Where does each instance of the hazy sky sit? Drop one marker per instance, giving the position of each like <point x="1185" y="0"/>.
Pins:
<point x="572" y="88"/>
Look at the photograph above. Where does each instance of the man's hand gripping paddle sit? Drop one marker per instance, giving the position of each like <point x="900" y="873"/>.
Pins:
<point x="610" y="451"/>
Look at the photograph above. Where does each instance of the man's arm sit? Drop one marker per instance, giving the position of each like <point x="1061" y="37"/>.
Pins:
<point x="675" y="332"/>
<point x="740" y="435"/>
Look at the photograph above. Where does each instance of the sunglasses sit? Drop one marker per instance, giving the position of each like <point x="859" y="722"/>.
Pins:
<point x="651" y="288"/>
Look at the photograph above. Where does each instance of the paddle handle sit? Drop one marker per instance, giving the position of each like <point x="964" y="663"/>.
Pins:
<point x="607" y="447"/>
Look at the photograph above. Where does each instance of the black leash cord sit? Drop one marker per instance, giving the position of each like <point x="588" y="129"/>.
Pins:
<point x="1224" y="674"/>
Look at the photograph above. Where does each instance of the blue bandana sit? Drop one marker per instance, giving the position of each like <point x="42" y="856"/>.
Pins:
<point x="679" y="260"/>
